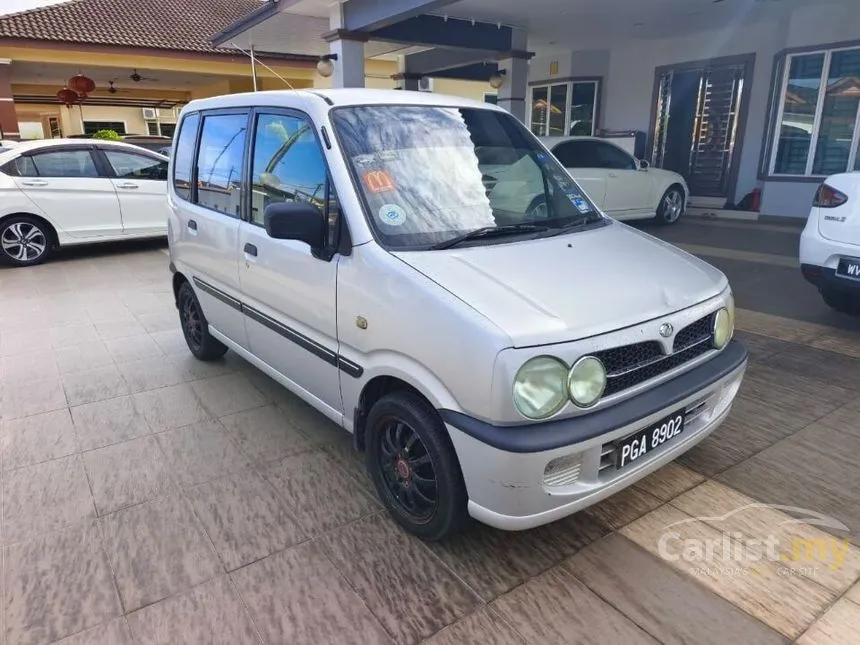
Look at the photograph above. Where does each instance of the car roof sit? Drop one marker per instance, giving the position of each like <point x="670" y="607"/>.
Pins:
<point x="38" y="144"/>
<point x="336" y="98"/>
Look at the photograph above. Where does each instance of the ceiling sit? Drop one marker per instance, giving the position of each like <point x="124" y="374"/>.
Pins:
<point x="26" y="73"/>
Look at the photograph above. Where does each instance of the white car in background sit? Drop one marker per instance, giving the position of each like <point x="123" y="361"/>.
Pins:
<point x="62" y="192"/>
<point x="830" y="243"/>
<point x="623" y="187"/>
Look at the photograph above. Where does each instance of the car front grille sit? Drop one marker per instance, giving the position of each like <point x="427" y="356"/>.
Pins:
<point x="630" y="365"/>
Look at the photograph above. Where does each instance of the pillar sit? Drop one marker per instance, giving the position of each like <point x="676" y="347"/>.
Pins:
<point x="8" y="117"/>
<point x="405" y="80"/>
<point x="514" y="67"/>
<point x="349" y="50"/>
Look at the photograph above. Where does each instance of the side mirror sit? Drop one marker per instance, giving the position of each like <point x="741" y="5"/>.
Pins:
<point x="296" y="221"/>
<point x="644" y="164"/>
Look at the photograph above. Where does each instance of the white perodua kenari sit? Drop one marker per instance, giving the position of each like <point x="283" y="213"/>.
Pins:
<point x="512" y="364"/>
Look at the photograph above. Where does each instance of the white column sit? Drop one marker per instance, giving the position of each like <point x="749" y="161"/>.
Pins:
<point x="349" y="66"/>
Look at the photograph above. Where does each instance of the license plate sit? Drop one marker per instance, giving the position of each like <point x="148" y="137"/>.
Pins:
<point x="848" y="268"/>
<point x="640" y="444"/>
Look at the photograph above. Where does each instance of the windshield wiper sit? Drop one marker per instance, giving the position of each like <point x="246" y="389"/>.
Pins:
<point x="567" y="228"/>
<point x="489" y="231"/>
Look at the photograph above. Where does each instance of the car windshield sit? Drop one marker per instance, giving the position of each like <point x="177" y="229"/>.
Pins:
<point x="429" y="175"/>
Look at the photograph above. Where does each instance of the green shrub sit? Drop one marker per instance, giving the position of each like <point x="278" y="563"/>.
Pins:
<point x="111" y="135"/>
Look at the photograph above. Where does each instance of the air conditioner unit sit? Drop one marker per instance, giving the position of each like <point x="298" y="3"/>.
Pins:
<point x="425" y="84"/>
<point x="150" y="114"/>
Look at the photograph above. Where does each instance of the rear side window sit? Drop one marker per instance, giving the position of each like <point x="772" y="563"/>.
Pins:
<point x="575" y="154"/>
<point x="182" y="163"/>
<point x="220" y="160"/>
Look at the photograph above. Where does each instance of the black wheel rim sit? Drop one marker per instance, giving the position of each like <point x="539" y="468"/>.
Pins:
<point x="407" y="471"/>
<point x="192" y="324"/>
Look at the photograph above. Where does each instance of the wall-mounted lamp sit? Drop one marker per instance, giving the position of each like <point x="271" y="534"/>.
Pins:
<point x="325" y="67"/>
<point x="498" y="79"/>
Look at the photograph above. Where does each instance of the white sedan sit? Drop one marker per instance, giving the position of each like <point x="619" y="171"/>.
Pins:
<point x="62" y="192"/>
<point x="830" y="243"/>
<point x="623" y="187"/>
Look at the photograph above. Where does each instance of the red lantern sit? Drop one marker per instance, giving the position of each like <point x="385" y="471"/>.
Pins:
<point x="81" y="84"/>
<point x="67" y="97"/>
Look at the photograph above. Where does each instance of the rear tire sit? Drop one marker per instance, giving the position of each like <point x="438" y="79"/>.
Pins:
<point x="672" y="206"/>
<point x="841" y="301"/>
<point x="195" y="327"/>
<point x="414" y="468"/>
<point x="25" y="241"/>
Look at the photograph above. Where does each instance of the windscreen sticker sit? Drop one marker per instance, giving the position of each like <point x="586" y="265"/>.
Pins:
<point x="387" y="155"/>
<point x="392" y="214"/>
<point x="365" y="160"/>
<point x="378" y="181"/>
<point x="542" y="157"/>
<point x="578" y="201"/>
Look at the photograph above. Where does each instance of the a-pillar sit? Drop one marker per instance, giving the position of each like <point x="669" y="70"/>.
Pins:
<point x="8" y="117"/>
<point x="514" y="68"/>
<point x="347" y="50"/>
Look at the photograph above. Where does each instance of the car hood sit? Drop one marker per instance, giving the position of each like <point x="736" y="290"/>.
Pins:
<point x="572" y="286"/>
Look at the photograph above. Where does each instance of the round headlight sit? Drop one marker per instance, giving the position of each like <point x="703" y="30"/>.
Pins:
<point x="724" y="328"/>
<point x="540" y="388"/>
<point x="586" y="381"/>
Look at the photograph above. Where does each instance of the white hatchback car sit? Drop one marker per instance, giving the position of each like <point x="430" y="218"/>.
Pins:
<point x="830" y="242"/>
<point x="623" y="187"/>
<point x="492" y="361"/>
<point x="62" y="192"/>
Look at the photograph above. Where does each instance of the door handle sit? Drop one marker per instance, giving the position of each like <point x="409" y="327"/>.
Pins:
<point x="35" y="183"/>
<point x="251" y="250"/>
<point x="128" y="186"/>
<point x="192" y="225"/>
<point x="612" y="174"/>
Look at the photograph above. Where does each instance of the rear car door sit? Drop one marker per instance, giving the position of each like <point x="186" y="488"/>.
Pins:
<point x="140" y="181"/>
<point x="289" y="293"/>
<point x="628" y="189"/>
<point x="580" y="159"/>
<point x="204" y="218"/>
<point x="72" y="191"/>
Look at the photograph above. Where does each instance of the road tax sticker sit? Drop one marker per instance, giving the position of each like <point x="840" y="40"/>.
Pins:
<point x="542" y="157"/>
<point x="378" y="181"/>
<point x="577" y="200"/>
<point x="392" y="214"/>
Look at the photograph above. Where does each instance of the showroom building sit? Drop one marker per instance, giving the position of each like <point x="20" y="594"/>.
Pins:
<point x="753" y="101"/>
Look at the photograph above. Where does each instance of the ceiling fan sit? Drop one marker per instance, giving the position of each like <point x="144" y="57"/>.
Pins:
<point x="137" y="78"/>
<point x="113" y="89"/>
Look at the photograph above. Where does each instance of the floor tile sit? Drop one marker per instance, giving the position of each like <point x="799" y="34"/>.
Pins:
<point x="32" y="397"/>
<point x="805" y="397"/>
<point x="170" y="342"/>
<point x="840" y="625"/>
<point x="41" y="437"/>
<point x="761" y="347"/>
<point x="211" y="613"/>
<point x="321" y="495"/>
<point x="200" y="453"/>
<point x="133" y="348"/>
<point x="115" y="632"/>
<point x="228" y="394"/>
<point x="57" y="585"/>
<point x="150" y="374"/>
<point x="837" y="340"/>
<point x="298" y="597"/>
<point x="82" y="357"/>
<point x="787" y="604"/>
<point x="108" y="422"/>
<point x="483" y="627"/>
<point x="127" y="473"/>
<point x="24" y="342"/>
<point x="555" y="607"/>
<point x="32" y="366"/>
<point x="351" y="460"/>
<point x="244" y="518"/>
<point x="428" y="596"/>
<point x="195" y="370"/>
<point x="854" y="593"/>
<point x="622" y="508"/>
<point x="818" y="364"/>
<point x="171" y="407"/>
<point x="669" y="605"/>
<point x="669" y="481"/>
<point x="157" y="549"/>
<point x="845" y="419"/>
<point x="94" y="385"/>
<point x="318" y="428"/>
<point x="829" y="557"/>
<point x="159" y="321"/>
<point x="265" y="434"/>
<point x="120" y="328"/>
<point x="45" y="497"/>
<point x="72" y="335"/>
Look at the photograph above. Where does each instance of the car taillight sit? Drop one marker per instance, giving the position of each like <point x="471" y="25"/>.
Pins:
<point x="828" y="197"/>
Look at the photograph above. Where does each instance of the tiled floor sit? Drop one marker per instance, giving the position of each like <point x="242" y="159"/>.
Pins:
<point x="150" y="498"/>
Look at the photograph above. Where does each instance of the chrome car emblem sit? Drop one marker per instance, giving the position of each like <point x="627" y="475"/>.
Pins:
<point x="666" y="330"/>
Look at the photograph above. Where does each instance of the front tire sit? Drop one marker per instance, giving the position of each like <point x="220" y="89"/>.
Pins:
<point x="414" y="468"/>
<point x="671" y="206"/>
<point x="25" y="241"/>
<point x="841" y="301"/>
<point x="195" y="327"/>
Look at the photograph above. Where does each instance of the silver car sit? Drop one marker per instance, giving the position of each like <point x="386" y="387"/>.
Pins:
<point x="511" y="363"/>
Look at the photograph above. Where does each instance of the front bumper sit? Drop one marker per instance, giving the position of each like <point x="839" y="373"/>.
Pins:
<point x="508" y="473"/>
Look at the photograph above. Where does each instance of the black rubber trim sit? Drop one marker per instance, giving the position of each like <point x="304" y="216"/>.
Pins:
<point x="218" y="294"/>
<point x="332" y="358"/>
<point x="172" y="267"/>
<point x="555" y="434"/>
